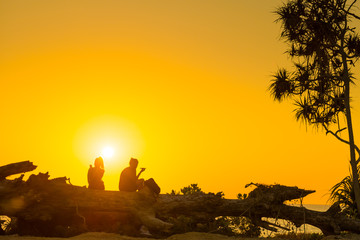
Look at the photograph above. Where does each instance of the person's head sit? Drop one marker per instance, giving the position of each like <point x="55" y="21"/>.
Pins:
<point x="133" y="162"/>
<point x="99" y="162"/>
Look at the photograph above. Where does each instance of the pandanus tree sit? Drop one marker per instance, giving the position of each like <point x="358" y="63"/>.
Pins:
<point x="324" y="49"/>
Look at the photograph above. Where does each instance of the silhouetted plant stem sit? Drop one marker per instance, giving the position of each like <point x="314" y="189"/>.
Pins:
<point x="347" y="81"/>
<point x="353" y="161"/>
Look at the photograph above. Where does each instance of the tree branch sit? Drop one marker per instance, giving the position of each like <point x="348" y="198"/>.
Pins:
<point x="340" y="139"/>
<point x="352" y="14"/>
<point x="351" y="5"/>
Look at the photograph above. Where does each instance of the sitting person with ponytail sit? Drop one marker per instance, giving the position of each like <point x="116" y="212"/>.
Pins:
<point x="95" y="175"/>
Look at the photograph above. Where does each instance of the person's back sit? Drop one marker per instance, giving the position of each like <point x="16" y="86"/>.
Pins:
<point x="129" y="181"/>
<point x="95" y="175"/>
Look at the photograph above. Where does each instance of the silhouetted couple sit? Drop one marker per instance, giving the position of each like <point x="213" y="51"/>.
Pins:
<point x="129" y="181"/>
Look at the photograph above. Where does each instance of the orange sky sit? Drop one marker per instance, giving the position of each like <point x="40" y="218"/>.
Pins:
<point x="181" y="85"/>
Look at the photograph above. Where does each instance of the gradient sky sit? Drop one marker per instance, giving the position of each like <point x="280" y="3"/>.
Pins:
<point x="181" y="85"/>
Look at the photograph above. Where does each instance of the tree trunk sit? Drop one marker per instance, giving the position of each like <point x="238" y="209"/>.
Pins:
<point x="55" y="208"/>
<point x="353" y="162"/>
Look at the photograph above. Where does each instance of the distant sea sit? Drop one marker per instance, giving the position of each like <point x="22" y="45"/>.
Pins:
<point x="316" y="207"/>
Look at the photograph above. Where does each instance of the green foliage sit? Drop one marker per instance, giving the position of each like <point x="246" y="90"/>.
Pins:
<point x="173" y="192"/>
<point x="343" y="194"/>
<point x="242" y="196"/>
<point x="191" y="189"/>
<point x="241" y="226"/>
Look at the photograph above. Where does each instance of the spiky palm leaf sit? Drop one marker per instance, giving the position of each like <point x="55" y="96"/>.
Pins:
<point x="343" y="193"/>
<point x="281" y="86"/>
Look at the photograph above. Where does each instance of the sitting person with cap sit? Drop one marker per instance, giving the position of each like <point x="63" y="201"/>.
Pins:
<point x="129" y="181"/>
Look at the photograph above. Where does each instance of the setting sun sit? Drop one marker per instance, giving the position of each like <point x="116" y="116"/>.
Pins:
<point x="107" y="152"/>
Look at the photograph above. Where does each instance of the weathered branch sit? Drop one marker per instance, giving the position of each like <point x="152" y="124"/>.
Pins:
<point x="16" y="168"/>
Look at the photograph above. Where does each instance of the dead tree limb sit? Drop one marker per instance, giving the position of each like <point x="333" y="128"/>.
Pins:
<point x="43" y="205"/>
<point x="16" y="168"/>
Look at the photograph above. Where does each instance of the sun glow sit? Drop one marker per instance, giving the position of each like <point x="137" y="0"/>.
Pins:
<point x="112" y="138"/>
<point x="107" y="152"/>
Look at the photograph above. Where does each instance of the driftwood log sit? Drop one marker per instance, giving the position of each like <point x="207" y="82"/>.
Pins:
<point x="48" y="207"/>
<point x="15" y="168"/>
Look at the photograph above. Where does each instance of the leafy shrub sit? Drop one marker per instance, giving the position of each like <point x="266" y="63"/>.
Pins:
<point x="237" y="226"/>
<point x="191" y="189"/>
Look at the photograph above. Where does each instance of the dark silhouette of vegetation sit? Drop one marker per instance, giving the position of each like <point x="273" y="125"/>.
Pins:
<point x="343" y="194"/>
<point x="324" y="48"/>
<point x="238" y="225"/>
<point x="191" y="189"/>
<point x="232" y="226"/>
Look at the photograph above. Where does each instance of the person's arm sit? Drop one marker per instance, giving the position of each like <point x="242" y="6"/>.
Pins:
<point x="141" y="170"/>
